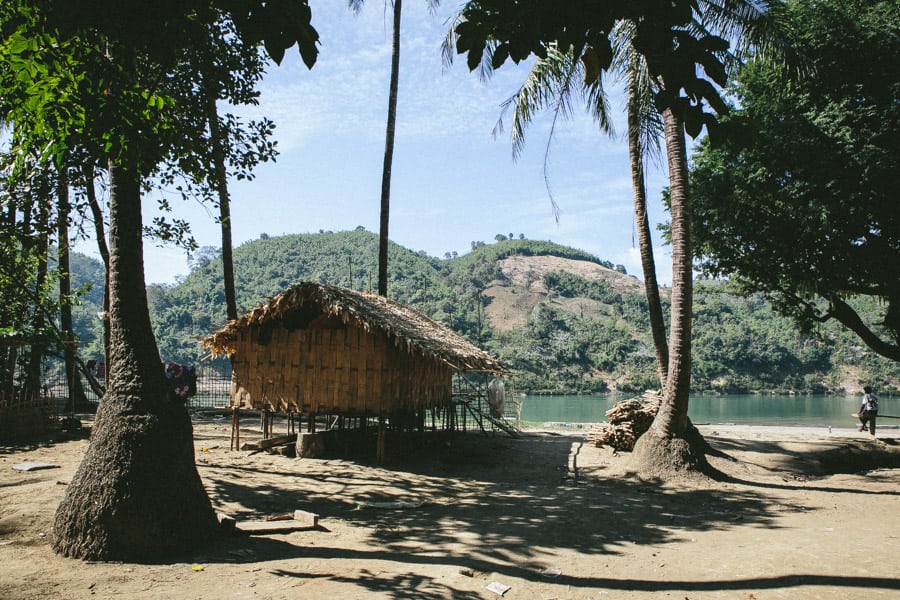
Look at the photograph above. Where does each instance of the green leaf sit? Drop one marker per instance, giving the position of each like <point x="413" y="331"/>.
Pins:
<point x="17" y="45"/>
<point x="474" y="57"/>
<point x="500" y="56"/>
<point x="275" y="49"/>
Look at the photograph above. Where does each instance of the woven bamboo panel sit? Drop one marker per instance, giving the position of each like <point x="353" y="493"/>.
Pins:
<point x="334" y="371"/>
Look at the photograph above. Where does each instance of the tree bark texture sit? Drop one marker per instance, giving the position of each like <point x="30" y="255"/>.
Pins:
<point x="672" y="446"/>
<point x="389" y="154"/>
<point x="672" y="418"/>
<point x="645" y="241"/>
<point x="136" y="495"/>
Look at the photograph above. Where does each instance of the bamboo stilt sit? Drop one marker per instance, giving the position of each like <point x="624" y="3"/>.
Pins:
<point x="379" y="450"/>
<point x="235" y="428"/>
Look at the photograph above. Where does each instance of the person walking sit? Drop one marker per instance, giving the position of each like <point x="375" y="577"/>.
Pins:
<point x="868" y="410"/>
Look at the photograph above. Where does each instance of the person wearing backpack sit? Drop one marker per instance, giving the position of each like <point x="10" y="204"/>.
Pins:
<point x="868" y="410"/>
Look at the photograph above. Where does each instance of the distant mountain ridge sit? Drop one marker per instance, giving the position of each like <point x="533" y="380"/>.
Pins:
<point x="564" y="320"/>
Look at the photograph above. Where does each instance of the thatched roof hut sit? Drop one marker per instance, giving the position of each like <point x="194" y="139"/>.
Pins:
<point x="317" y="348"/>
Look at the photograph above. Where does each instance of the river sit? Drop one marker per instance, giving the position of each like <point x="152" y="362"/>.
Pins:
<point x="738" y="409"/>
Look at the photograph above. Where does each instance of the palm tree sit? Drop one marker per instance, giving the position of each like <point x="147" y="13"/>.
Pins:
<point x="673" y="445"/>
<point x="220" y="177"/>
<point x="229" y="70"/>
<point x="551" y="82"/>
<point x="384" y="220"/>
<point x="667" y="447"/>
<point x="644" y="132"/>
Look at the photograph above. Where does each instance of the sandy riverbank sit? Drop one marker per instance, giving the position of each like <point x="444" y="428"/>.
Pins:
<point x="804" y="513"/>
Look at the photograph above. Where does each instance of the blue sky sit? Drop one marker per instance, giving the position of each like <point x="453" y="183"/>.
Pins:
<point x="453" y="182"/>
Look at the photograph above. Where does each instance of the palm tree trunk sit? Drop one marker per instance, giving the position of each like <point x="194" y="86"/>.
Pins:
<point x="389" y="153"/>
<point x="674" y="410"/>
<point x="645" y="242"/>
<point x="136" y="494"/>
<point x="672" y="447"/>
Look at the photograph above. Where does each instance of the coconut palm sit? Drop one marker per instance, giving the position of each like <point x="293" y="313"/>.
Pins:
<point x="550" y="83"/>
<point x="673" y="444"/>
<point x="356" y="5"/>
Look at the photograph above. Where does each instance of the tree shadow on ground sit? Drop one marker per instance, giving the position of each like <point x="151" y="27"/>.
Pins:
<point x="834" y="457"/>
<point x="495" y="505"/>
<point x="416" y="586"/>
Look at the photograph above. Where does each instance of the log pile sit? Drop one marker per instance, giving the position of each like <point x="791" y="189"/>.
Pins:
<point x="628" y="420"/>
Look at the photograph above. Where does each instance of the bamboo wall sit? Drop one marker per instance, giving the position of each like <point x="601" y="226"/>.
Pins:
<point x="334" y="371"/>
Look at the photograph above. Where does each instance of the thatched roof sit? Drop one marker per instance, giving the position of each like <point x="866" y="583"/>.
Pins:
<point x="406" y="326"/>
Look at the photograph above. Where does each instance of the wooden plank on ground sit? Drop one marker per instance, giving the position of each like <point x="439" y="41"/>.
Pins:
<point x="301" y="520"/>
<point x="263" y="527"/>
<point x="270" y="442"/>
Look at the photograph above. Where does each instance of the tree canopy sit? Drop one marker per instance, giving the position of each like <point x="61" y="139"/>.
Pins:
<point x="491" y="32"/>
<point x="91" y="74"/>
<point x="803" y="207"/>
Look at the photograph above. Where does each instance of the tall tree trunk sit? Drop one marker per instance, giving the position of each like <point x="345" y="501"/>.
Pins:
<point x="136" y="494"/>
<point x="645" y="241"/>
<point x="674" y="410"/>
<point x="221" y="177"/>
<point x="672" y="446"/>
<point x="389" y="154"/>
<point x="100" y="232"/>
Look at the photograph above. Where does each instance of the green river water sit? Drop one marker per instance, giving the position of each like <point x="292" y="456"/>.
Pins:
<point x="739" y="409"/>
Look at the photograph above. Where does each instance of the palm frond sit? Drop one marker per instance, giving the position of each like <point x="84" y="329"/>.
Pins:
<point x="598" y="106"/>
<point x="752" y="27"/>
<point x="632" y="65"/>
<point x="448" y="46"/>
<point x="549" y="84"/>
<point x="650" y="119"/>
<point x="355" y="5"/>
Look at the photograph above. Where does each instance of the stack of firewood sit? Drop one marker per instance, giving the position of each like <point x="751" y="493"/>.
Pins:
<point x="628" y="420"/>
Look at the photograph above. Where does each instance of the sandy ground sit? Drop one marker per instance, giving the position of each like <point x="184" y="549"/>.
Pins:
<point x="804" y="513"/>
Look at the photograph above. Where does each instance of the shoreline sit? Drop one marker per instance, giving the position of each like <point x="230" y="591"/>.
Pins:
<point x="741" y="429"/>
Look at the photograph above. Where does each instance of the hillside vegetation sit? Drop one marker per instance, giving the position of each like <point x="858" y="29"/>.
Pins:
<point x="564" y="320"/>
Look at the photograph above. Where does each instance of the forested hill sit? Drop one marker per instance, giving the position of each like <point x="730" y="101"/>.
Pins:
<point x="563" y="319"/>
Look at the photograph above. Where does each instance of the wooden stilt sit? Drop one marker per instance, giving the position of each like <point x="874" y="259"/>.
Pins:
<point x="236" y="428"/>
<point x="379" y="450"/>
<point x="233" y="427"/>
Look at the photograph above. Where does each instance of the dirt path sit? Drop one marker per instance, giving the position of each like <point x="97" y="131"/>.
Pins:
<point x="547" y="515"/>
